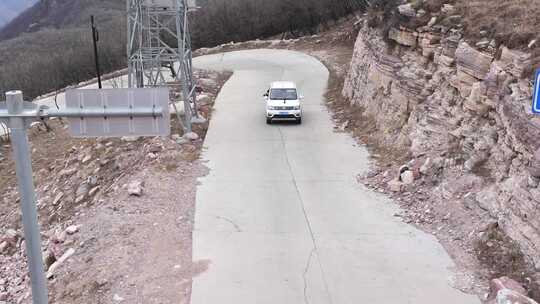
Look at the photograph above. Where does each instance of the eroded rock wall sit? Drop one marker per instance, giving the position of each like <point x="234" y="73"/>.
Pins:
<point x="467" y="110"/>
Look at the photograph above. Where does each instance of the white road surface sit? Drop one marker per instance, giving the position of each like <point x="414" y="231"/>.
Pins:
<point x="280" y="217"/>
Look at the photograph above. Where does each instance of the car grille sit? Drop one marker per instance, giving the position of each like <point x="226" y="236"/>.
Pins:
<point x="284" y="108"/>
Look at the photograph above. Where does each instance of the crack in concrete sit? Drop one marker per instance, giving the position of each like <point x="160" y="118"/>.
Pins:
<point x="230" y="222"/>
<point x="308" y="223"/>
<point x="306" y="270"/>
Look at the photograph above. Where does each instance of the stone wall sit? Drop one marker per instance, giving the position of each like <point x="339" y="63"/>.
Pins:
<point x="466" y="110"/>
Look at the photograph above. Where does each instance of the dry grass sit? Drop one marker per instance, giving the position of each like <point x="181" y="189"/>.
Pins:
<point x="513" y="23"/>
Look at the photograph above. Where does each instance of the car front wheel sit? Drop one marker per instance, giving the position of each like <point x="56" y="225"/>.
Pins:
<point x="269" y="121"/>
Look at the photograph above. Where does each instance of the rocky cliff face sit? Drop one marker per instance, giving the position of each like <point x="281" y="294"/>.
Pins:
<point x="464" y="115"/>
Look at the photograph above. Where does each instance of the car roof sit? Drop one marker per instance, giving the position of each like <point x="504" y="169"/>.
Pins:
<point x="283" y="85"/>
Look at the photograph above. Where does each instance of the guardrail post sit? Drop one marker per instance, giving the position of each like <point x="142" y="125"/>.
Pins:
<point x="23" y="163"/>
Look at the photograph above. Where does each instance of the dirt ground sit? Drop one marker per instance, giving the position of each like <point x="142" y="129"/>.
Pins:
<point x="137" y="248"/>
<point x="121" y="247"/>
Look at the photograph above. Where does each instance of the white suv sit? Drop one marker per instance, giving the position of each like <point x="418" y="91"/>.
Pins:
<point x="283" y="102"/>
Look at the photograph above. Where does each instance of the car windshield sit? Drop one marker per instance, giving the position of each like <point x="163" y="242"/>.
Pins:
<point x="283" y="94"/>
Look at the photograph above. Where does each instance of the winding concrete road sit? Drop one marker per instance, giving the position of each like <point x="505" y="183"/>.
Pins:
<point x="281" y="219"/>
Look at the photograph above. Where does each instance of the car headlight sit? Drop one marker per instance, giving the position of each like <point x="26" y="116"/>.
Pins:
<point x="297" y="108"/>
<point x="271" y="108"/>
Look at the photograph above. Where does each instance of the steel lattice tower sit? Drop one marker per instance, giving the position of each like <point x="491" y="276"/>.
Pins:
<point x="159" y="43"/>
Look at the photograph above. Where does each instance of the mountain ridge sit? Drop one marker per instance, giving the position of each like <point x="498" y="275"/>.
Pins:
<point x="61" y="14"/>
<point x="10" y="9"/>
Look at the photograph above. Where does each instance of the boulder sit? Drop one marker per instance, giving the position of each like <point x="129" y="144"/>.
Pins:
<point x="444" y="60"/>
<point x="4" y="247"/>
<point x="449" y="45"/>
<point x="93" y="191"/>
<point x="86" y="159"/>
<point x="482" y="44"/>
<point x="497" y="285"/>
<point x="191" y="136"/>
<point x="72" y="229"/>
<point x="395" y="185"/>
<point x="59" y="262"/>
<point x="118" y="298"/>
<point x="534" y="169"/>
<point x="9" y="240"/>
<point x="515" y="62"/>
<point x="61" y="237"/>
<point x="182" y="141"/>
<point x="494" y="79"/>
<point x="448" y="9"/>
<point x="508" y="296"/>
<point x="92" y="180"/>
<point x="427" y="167"/>
<point x="533" y="182"/>
<point x="407" y="177"/>
<point x="67" y="172"/>
<point x="403" y="37"/>
<point x="407" y="10"/>
<point x="429" y="43"/>
<point x="155" y="148"/>
<point x="473" y="62"/>
<point x="432" y="21"/>
<point x="130" y="138"/>
<point x="81" y="193"/>
<point x="11" y="234"/>
<point x="49" y="257"/>
<point x="474" y="162"/>
<point x="198" y="120"/>
<point x="463" y="82"/>
<point x="477" y="100"/>
<point x="57" y="198"/>
<point x="507" y="291"/>
<point x="135" y="188"/>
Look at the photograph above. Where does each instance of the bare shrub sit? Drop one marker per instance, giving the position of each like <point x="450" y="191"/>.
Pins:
<point x="513" y="23"/>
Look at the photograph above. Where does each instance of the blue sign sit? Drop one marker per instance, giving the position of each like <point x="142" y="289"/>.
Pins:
<point x="536" y="94"/>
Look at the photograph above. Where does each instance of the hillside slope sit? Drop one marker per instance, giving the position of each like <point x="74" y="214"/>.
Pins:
<point x="49" y="46"/>
<point x="62" y="14"/>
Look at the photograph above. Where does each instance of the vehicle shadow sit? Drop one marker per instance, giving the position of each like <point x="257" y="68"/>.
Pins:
<point x="285" y="122"/>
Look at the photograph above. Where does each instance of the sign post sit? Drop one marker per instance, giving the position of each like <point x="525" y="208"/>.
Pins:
<point x="21" y="153"/>
<point x="91" y="113"/>
<point x="536" y="93"/>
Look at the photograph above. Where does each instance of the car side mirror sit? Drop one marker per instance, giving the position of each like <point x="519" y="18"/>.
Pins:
<point x="301" y="97"/>
<point x="265" y="95"/>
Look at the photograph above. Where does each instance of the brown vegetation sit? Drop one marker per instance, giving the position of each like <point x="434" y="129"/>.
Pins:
<point x="513" y="23"/>
<point x="60" y="14"/>
<point x="51" y="59"/>
<point x="241" y="20"/>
